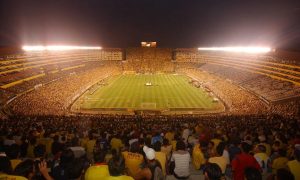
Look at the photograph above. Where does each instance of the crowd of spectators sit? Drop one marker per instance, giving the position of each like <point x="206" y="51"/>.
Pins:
<point x="149" y="147"/>
<point x="238" y="100"/>
<point x="54" y="98"/>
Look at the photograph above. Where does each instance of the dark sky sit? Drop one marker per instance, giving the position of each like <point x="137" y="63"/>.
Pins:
<point x="172" y="23"/>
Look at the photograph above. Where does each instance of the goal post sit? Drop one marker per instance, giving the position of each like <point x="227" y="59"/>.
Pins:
<point x="147" y="105"/>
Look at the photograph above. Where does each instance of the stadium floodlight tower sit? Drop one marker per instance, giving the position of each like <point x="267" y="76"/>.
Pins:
<point x="238" y="49"/>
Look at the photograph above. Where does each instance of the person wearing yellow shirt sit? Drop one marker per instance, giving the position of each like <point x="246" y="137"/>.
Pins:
<point x="13" y="153"/>
<point x="220" y="160"/>
<point x="6" y="170"/>
<point x="262" y="139"/>
<point x="216" y="140"/>
<point x="90" y="144"/>
<point x="122" y="177"/>
<point x="116" y="143"/>
<point x="31" y="145"/>
<point x="198" y="157"/>
<point x="169" y="136"/>
<point x="280" y="162"/>
<point x="167" y="148"/>
<point x="262" y="158"/>
<point x="116" y="166"/>
<point x="133" y="159"/>
<point x="47" y="141"/>
<point x="160" y="156"/>
<point x="99" y="169"/>
<point x="294" y="165"/>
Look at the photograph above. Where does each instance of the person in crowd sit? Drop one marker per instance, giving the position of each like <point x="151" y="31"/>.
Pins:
<point x="283" y="174"/>
<point x="262" y="158"/>
<point x="252" y="174"/>
<point x="279" y="162"/>
<point x="160" y="156"/>
<point x="242" y="161"/>
<point x="212" y="172"/>
<point x="185" y="133"/>
<point x="56" y="147"/>
<point x="133" y="159"/>
<point x="99" y="169"/>
<point x="6" y="171"/>
<point x="198" y="157"/>
<point x="29" y="168"/>
<point x="152" y="168"/>
<point x="181" y="158"/>
<point x="116" y="142"/>
<point x="61" y="170"/>
<point x="220" y="160"/>
<point x="90" y="144"/>
<point x="13" y="153"/>
<point x="117" y="163"/>
<point x="294" y="165"/>
<point x="166" y="148"/>
<point x="156" y="138"/>
<point x="78" y="150"/>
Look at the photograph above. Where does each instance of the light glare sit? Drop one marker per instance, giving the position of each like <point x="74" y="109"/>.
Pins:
<point x="58" y="48"/>
<point x="237" y="49"/>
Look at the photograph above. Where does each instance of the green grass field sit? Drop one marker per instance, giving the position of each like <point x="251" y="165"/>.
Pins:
<point x="130" y="91"/>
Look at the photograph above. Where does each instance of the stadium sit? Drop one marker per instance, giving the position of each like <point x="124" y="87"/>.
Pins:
<point x="149" y="90"/>
<point x="149" y="81"/>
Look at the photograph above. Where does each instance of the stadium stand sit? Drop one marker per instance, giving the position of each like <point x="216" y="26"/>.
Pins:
<point x="260" y="124"/>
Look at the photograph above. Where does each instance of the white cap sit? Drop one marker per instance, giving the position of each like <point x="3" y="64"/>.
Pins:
<point x="150" y="153"/>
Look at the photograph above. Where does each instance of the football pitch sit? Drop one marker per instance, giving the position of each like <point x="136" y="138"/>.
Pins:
<point x="132" y="92"/>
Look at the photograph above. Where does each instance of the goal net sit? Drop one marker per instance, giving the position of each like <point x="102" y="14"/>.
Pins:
<point x="148" y="105"/>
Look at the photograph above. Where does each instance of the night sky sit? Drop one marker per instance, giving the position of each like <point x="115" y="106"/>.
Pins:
<point x="172" y="23"/>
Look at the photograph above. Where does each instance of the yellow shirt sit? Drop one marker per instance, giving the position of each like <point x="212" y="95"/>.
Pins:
<point x="118" y="178"/>
<point x="116" y="144"/>
<point x="47" y="142"/>
<point x="96" y="172"/>
<point x="173" y="143"/>
<point x="162" y="158"/>
<point x="198" y="157"/>
<point x="83" y="142"/>
<point x="220" y="161"/>
<point x="90" y="146"/>
<point x="169" y="136"/>
<point x="268" y="148"/>
<point x="11" y="177"/>
<point x="15" y="162"/>
<point x="30" y="149"/>
<point x="278" y="163"/>
<point x="294" y="167"/>
<point x="167" y="150"/>
<point x="132" y="162"/>
<point x="216" y="142"/>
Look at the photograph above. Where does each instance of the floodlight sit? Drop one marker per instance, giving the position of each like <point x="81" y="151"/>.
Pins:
<point x="251" y="49"/>
<point x="58" y="48"/>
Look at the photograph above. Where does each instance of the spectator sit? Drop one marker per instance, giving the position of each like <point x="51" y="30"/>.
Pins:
<point x="252" y="174"/>
<point x="280" y="162"/>
<point x="294" y="165"/>
<point x="212" y="172"/>
<point x="152" y="168"/>
<point x="242" y="161"/>
<point x="160" y="156"/>
<point x="133" y="159"/>
<point x="181" y="157"/>
<point x="220" y="160"/>
<point x="99" y="169"/>
<point x="14" y="155"/>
